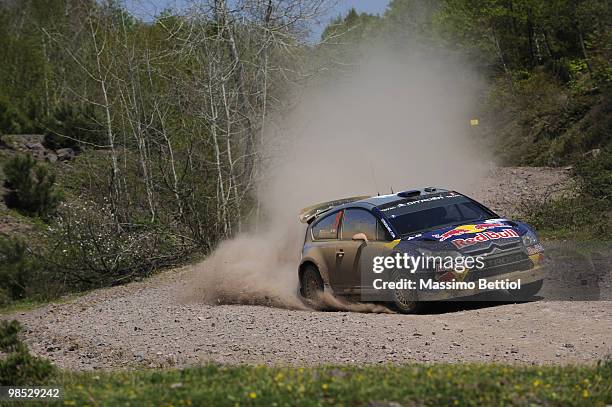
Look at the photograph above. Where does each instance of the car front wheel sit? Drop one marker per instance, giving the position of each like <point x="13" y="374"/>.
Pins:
<point x="405" y="300"/>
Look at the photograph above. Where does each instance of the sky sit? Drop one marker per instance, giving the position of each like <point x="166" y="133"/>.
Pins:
<point x="148" y="9"/>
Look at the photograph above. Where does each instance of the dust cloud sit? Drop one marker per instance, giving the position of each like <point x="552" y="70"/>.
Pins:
<point x="392" y="123"/>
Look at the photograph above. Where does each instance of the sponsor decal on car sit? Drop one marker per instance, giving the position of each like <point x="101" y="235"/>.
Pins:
<point x="391" y="232"/>
<point x="411" y="202"/>
<point x="484" y="237"/>
<point x="392" y="244"/>
<point x="414" y="236"/>
<point x="469" y="229"/>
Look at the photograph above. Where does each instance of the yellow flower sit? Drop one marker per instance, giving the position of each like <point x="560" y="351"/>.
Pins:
<point x="585" y="393"/>
<point x="537" y="382"/>
<point x="252" y="395"/>
<point x="325" y="386"/>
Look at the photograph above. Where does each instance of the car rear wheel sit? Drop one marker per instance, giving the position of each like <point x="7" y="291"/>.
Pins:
<point x="527" y="291"/>
<point x="311" y="284"/>
<point x="405" y="301"/>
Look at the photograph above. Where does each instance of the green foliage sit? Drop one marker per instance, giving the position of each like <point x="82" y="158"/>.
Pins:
<point x="19" y="367"/>
<point x="32" y="185"/>
<point x="582" y="218"/>
<point x="352" y="28"/>
<point x="28" y="273"/>
<point x="90" y="250"/>
<point x="72" y="126"/>
<point x="525" y="33"/>
<point x="9" y="341"/>
<point x="407" y="385"/>
<point x="586" y="215"/>
<point x="12" y="121"/>
<point x="16" y="269"/>
<point x="596" y="176"/>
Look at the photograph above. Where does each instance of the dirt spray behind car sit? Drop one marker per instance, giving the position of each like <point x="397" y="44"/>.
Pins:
<point x="392" y="122"/>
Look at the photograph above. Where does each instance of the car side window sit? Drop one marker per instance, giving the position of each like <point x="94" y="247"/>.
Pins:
<point x="359" y="221"/>
<point x="327" y="227"/>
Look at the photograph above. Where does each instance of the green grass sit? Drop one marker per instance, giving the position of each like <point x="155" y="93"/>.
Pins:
<point x="21" y="306"/>
<point x="28" y="304"/>
<point x="439" y="384"/>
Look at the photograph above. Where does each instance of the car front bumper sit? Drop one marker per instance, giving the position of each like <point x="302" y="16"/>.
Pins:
<point x="532" y="275"/>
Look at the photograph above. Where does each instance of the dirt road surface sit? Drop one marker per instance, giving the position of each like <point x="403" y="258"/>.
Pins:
<point x="146" y="324"/>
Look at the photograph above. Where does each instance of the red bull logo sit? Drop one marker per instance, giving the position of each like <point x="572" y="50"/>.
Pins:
<point x="469" y="229"/>
<point x="484" y="237"/>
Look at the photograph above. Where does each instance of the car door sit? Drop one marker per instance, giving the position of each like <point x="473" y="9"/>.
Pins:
<point x="353" y="255"/>
<point x="324" y="240"/>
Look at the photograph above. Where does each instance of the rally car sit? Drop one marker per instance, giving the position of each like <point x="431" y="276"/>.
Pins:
<point x="344" y="236"/>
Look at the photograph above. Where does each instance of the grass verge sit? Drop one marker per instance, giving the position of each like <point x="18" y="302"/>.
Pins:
<point x="408" y="385"/>
<point x="28" y="304"/>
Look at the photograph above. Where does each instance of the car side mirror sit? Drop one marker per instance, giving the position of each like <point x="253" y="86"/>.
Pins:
<point x="360" y="236"/>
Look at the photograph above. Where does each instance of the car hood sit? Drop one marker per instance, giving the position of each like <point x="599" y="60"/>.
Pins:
<point x="469" y="236"/>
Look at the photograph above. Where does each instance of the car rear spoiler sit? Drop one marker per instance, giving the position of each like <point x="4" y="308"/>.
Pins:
<point x="308" y="214"/>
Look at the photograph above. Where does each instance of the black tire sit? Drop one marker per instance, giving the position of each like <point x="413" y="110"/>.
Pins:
<point x="311" y="284"/>
<point x="405" y="301"/>
<point x="527" y="291"/>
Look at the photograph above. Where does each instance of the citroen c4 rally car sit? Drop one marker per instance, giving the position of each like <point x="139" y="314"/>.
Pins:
<point x="344" y="236"/>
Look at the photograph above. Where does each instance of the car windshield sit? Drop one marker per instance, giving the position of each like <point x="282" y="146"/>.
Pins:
<point x="444" y="210"/>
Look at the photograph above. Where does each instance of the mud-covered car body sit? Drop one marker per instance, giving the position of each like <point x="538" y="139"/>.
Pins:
<point x="417" y="222"/>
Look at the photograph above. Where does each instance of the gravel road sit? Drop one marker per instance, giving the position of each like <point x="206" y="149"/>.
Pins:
<point x="147" y="324"/>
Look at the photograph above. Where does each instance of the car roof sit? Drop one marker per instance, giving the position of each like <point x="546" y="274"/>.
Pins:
<point x="374" y="201"/>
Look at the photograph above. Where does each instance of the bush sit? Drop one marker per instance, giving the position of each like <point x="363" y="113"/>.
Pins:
<point x="580" y="217"/>
<point x="8" y="335"/>
<point x="70" y="127"/>
<point x="5" y="298"/>
<point x="32" y="186"/>
<point x="587" y="215"/>
<point x="12" y="121"/>
<point x="19" y="367"/>
<point x="16" y="269"/>
<point x="92" y="250"/>
<point x="596" y="175"/>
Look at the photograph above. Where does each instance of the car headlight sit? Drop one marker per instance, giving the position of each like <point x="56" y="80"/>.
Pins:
<point x="530" y="239"/>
